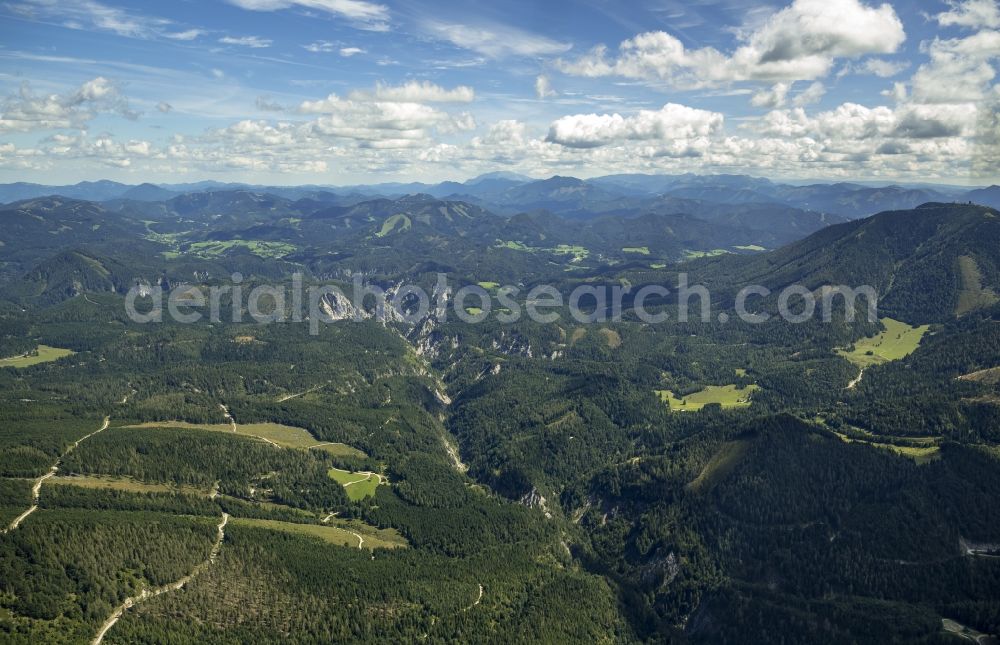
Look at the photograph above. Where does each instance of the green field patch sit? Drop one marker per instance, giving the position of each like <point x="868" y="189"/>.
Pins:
<point x="488" y="285"/>
<point x="641" y="250"/>
<point x="691" y="254"/>
<point x="658" y="265"/>
<point x="728" y="396"/>
<point x="473" y="311"/>
<point x="750" y="247"/>
<point x="395" y="224"/>
<point x="123" y="483"/>
<point x="514" y="246"/>
<point x="350" y="534"/>
<point x="897" y="341"/>
<point x="719" y="466"/>
<point x="579" y="253"/>
<point x="41" y="354"/>
<point x="358" y="485"/>
<point x="276" y="433"/>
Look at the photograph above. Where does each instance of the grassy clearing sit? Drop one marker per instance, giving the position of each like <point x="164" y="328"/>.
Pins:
<point x="690" y="254"/>
<point x="514" y="246"/>
<point x="920" y="449"/>
<point x="579" y="253"/>
<point x="282" y="435"/>
<point x="342" y="534"/>
<point x="123" y="483"/>
<point x="359" y="485"/>
<point x="395" y="224"/>
<point x="897" y="341"/>
<point x="750" y="247"/>
<point x="990" y="376"/>
<point x="42" y="354"/>
<point x="658" y="265"/>
<point x="728" y="396"/>
<point x="972" y="294"/>
<point x="260" y="248"/>
<point x="721" y="464"/>
<point x="612" y="338"/>
<point x="486" y="284"/>
<point x="641" y="250"/>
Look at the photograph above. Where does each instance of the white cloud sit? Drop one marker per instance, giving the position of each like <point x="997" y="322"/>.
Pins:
<point x="810" y="95"/>
<point x="971" y="13"/>
<point x="959" y="69"/>
<point x="543" y="87"/>
<point x="882" y="68"/>
<point x="266" y="104"/>
<point x="254" y="42"/>
<point x="218" y="73"/>
<point x="672" y="121"/>
<point x="800" y="42"/>
<point x="496" y="41"/>
<point x="187" y="34"/>
<point x="415" y="92"/>
<point x="347" y="52"/>
<point x="771" y="98"/>
<point x="27" y="111"/>
<point x="320" y="47"/>
<point x="394" y="123"/>
<point x="93" y="15"/>
<point x="854" y="122"/>
<point x="367" y="14"/>
<point x="164" y="107"/>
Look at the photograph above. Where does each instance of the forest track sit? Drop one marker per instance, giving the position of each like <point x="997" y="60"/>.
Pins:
<point x="173" y="586"/>
<point x="853" y="384"/>
<point x="36" y="490"/>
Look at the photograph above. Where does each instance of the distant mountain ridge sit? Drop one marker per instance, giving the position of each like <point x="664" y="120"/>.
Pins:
<point x="509" y="193"/>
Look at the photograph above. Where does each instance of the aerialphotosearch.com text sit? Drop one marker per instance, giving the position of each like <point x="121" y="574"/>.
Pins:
<point x="318" y="304"/>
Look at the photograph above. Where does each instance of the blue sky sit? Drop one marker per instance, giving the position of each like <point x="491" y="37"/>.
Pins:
<point x="346" y="91"/>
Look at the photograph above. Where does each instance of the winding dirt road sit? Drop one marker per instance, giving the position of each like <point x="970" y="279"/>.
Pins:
<point x="36" y="490"/>
<point x="173" y="586"/>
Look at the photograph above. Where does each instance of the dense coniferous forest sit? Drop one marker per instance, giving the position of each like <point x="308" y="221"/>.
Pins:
<point x="445" y="481"/>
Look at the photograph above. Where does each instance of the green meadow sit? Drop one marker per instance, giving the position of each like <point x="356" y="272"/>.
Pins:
<point x="897" y="341"/>
<point x="728" y="396"/>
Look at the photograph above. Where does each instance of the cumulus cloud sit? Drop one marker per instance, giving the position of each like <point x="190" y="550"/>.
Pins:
<point x="392" y="121"/>
<point x="26" y="111"/>
<point x="164" y="107"/>
<point x="854" y="122"/>
<point x="415" y="92"/>
<point x="771" y="98"/>
<point x="543" y="87"/>
<point x="799" y="42"/>
<point x="971" y="13"/>
<point x="882" y="68"/>
<point x="254" y="42"/>
<point x="495" y="41"/>
<point x="347" y="52"/>
<point x="671" y="122"/>
<point x="959" y="69"/>
<point x="810" y="95"/>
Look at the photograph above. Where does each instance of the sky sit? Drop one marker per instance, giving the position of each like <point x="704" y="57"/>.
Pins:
<point x="340" y="92"/>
